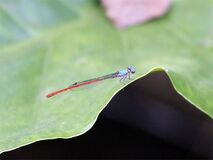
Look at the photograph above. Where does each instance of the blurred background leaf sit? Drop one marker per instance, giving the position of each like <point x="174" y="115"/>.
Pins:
<point x="46" y="45"/>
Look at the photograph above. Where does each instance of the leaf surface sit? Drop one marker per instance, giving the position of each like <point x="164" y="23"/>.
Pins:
<point x="47" y="45"/>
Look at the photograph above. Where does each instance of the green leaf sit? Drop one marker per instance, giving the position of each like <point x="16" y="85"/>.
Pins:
<point x="47" y="45"/>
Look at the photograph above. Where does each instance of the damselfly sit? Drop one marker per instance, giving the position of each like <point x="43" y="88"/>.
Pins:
<point x="125" y="73"/>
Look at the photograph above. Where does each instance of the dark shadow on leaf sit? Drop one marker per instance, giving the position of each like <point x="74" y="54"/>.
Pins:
<point x="152" y="105"/>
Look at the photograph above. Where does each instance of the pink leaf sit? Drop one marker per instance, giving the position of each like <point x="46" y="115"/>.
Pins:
<point x="125" y="13"/>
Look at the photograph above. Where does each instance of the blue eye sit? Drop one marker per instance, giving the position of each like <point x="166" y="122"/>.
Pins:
<point x="131" y="69"/>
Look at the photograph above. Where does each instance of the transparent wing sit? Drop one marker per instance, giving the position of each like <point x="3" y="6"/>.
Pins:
<point x="112" y="75"/>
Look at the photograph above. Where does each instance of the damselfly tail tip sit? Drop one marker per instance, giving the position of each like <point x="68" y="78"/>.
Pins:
<point x="49" y="95"/>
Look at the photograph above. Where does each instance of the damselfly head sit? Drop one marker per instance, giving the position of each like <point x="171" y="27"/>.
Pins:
<point x="131" y="69"/>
